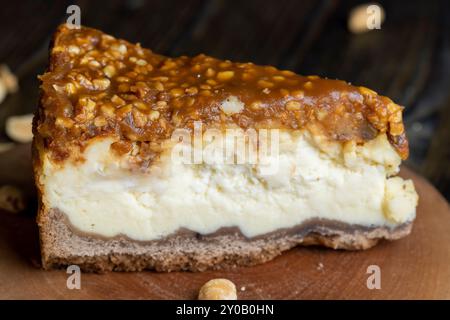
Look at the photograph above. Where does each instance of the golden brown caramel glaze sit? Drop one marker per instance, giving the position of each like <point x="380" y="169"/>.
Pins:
<point x="98" y="85"/>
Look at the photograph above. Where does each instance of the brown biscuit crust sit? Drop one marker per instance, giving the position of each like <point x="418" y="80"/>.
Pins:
<point x="61" y="246"/>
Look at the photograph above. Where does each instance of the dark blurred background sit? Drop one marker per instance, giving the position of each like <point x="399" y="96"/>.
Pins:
<point x="407" y="60"/>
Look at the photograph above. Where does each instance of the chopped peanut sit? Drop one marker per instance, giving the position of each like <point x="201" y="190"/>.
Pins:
<point x="293" y="105"/>
<point x="225" y="75"/>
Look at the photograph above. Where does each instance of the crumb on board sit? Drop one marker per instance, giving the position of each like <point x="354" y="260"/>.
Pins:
<point x="12" y="199"/>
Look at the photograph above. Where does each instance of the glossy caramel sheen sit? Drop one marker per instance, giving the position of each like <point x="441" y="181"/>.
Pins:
<point x="98" y="85"/>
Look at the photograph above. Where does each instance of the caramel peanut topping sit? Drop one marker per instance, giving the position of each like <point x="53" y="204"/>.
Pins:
<point x="99" y="85"/>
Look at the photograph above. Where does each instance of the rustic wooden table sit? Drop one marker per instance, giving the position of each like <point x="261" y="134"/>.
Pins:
<point x="407" y="60"/>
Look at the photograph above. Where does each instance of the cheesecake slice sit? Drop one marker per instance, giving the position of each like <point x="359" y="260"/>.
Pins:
<point x="149" y="162"/>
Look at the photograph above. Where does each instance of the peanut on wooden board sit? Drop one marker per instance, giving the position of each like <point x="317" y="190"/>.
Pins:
<point x="218" y="289"/>
<point x="8" y="82"/>
<point x="18" y="128"/>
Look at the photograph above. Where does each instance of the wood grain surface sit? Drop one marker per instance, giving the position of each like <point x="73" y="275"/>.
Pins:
<point x="411" y="268"/>
<point x="407" y="60"/>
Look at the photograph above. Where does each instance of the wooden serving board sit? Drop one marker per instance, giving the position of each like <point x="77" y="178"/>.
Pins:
<point x="415" y="267"/>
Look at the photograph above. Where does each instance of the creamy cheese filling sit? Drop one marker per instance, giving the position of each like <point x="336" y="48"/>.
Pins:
<point x="315" y="178"/>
